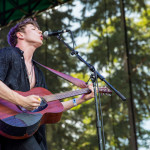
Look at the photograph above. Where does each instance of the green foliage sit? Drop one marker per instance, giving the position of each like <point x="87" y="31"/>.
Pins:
<point x="102" y="22"/>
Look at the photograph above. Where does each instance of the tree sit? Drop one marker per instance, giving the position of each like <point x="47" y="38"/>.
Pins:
<point x="101" y="21"/>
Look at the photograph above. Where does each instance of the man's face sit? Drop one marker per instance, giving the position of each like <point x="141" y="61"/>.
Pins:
<point x="33" y="35"/>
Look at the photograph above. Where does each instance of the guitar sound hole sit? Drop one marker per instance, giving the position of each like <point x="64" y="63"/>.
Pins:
<point x="42" y="106"/>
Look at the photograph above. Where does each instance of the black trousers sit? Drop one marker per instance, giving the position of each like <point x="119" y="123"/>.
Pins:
<point x="35" y="142"/>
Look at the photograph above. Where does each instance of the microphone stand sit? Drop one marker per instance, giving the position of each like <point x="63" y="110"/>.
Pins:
<point x="93" y="77"/>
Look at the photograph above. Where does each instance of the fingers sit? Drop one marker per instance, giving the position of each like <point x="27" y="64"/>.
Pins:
<point x="91" y="88"/>
<point x="90" y="95"/>
<point x="36" y="99"/>
<point x="32" y="102"/>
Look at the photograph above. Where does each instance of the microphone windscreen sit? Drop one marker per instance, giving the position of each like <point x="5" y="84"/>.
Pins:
<point x="45" y="34"/>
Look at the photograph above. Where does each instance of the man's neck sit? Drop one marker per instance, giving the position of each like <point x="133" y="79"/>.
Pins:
<point x="28" y="51"/>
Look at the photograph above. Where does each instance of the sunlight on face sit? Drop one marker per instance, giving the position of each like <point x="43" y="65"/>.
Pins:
<point x="33" y="35"/>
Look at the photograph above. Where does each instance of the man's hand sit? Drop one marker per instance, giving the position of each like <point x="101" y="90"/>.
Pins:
<point x="86" y="97"/>
<point x="69" y="104"/>
<point x="30" y="102"/>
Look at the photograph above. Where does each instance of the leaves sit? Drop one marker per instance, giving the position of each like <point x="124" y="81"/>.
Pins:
<point x="100" y="22"/>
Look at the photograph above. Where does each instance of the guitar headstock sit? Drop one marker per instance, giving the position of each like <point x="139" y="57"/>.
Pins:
<point x="105" y="90"/>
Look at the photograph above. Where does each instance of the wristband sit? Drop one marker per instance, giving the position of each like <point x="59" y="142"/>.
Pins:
<point x="74" y="102"/>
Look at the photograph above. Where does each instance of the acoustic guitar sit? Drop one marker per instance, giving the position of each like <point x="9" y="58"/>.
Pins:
<point x="18" y="123"/>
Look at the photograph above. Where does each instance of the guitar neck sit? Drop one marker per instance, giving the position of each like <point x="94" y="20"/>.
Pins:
<point x="67" y="94"/>
<point x="52" y="97"/>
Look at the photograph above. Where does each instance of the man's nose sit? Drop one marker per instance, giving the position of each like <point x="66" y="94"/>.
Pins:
<point x="40" y="31"/>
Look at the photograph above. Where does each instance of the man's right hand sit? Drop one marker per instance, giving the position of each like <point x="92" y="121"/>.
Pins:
<point x="30" y="102"/>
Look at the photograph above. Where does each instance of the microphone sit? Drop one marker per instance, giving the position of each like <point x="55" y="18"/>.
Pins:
<point x="46" y="34"/>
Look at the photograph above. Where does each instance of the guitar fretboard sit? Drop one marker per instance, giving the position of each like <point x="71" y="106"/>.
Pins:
<point x="67" y="94"/>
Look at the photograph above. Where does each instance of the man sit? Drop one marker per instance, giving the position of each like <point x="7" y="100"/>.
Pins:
<point x="19" y="72"/>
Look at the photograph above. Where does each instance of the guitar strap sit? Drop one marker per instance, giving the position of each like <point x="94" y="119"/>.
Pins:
<point x="69" y="78"/>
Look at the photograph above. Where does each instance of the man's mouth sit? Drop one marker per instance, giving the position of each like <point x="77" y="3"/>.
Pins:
<point x="41" y="37"/>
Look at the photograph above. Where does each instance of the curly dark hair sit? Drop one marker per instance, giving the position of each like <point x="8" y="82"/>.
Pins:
<point x="19" y="27"/>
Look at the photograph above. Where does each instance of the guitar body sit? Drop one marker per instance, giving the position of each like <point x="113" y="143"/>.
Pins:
<point x="16" y="124"/>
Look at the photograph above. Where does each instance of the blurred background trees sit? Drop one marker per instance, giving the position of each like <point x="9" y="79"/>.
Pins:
<point x="114" y="36"/>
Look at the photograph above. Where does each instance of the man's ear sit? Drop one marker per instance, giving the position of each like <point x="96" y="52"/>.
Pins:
<point x="20" y="35"/>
